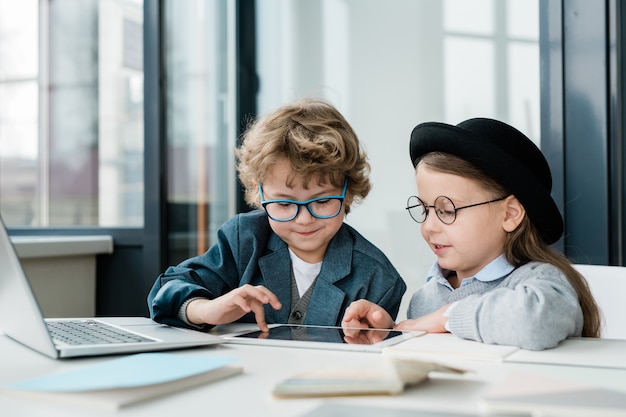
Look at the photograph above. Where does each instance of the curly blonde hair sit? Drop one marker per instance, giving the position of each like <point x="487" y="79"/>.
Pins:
<point x="317" y="141"/>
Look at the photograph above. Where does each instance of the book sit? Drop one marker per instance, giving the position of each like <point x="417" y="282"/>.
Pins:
<point x="389" y="379"/>
<point x="525" y="393"/>
<point x="446" y="347"/>
<point x="127" y="380"/>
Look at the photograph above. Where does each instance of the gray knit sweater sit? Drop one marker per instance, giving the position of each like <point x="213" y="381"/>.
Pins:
<point x="534" y="307"/>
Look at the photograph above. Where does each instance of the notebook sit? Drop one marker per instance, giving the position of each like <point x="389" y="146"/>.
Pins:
<point x="21" y="319"/>
<point x="123" y="381"/>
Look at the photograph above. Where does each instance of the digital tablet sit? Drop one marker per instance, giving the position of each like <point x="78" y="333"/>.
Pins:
<point x="322" y="337"/>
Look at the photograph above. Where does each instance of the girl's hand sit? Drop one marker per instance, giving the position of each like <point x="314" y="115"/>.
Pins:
<point x="233" y="305"/>
<point x="434" y="322"/>
<point x="363" y="314"/>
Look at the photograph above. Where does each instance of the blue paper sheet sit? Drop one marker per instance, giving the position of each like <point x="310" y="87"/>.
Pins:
<point x="130" y="371"/>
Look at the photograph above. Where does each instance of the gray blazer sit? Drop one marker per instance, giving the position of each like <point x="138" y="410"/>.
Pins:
<point x="247" y="251"/>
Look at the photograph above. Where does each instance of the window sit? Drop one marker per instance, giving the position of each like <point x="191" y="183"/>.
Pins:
<point x="201" y="133"/>
<point x="71" y="113"/>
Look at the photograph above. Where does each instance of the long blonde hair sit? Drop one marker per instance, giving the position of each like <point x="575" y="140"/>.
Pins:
<point x="524" y="244"/>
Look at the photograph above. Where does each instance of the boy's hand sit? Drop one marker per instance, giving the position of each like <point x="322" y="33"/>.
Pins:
<point x="233" y="305"/>
<point x="365" y="336"/>
<point x="365" y="314"/>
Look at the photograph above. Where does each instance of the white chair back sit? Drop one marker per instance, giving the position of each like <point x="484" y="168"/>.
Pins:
<point x="608" y="286"/>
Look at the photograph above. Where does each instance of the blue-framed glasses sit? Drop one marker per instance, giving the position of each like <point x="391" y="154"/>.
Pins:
<point x="444" y="208"/>
<point x="325" y="207"/>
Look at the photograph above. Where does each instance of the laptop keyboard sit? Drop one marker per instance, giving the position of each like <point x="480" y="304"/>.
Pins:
<point x="91" y="332"/>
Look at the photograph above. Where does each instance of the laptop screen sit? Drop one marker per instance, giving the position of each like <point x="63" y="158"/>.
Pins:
<point x="20" y="315"/>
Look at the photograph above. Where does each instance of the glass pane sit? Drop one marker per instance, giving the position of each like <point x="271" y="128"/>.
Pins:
<point x="474" y="59"/>
<point x="18" y="39"/>
<point x="76" y="66"/>
<point x="452" y="60"/>
<point x="523" y="96"/>
<point x="120" y="113"/>
<point x="18" y="111"/>
<point x="200" y="129"/>
<point x="18" y="151"/>
<point x="469" y="16"/>
<point x="523" y="19"/>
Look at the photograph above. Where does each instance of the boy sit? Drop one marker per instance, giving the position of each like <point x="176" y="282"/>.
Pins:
<point x="293" y="260"/>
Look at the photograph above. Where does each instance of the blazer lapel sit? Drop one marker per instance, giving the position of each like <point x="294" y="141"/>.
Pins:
<point x="276" y="270"/>
<point x="327" y="299"/>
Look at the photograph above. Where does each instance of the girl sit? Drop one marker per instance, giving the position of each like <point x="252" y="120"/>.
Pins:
<point x="485" y="210"/>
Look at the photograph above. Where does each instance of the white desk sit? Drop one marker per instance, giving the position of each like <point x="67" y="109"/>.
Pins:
<point x="249" y="394"/>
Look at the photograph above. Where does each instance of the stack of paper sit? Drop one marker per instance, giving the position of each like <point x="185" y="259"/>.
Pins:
<point x="127" y="380"/>
<point x="390" y="378"/>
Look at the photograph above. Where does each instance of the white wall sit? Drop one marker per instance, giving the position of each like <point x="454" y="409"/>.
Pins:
<point x="390" y="65"/>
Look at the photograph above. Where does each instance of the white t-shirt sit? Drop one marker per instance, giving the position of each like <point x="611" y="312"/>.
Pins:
<point x="304" y="272"/>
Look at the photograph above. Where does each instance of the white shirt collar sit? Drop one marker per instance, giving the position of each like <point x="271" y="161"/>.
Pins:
<point x="494" y="270"/>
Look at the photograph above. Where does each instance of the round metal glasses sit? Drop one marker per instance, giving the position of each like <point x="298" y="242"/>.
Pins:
<point x="444" y="208"/>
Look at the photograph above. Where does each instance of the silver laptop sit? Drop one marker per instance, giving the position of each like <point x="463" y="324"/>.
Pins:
<point x="21" y="319"/>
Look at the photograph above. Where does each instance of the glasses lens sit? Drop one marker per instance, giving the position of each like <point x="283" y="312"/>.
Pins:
<point x="281" y="211"/>
<point x="416" y="209"/>
<point x="444" y="207"/>
<point x="326" y="208"/>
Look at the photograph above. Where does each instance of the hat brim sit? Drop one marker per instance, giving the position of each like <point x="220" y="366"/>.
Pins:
<point x="504" y="164"/>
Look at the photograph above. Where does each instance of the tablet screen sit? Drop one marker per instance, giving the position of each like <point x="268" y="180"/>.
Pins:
<point x="323" y="337"/>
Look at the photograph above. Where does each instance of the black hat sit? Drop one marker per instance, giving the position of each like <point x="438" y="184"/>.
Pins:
<point x="503" y="153"/>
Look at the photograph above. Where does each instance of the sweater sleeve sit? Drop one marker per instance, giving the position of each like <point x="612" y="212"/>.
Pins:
<point x="535" y="308"/>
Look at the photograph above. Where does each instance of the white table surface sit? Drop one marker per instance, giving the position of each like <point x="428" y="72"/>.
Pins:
<point x="249" y="394"/>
